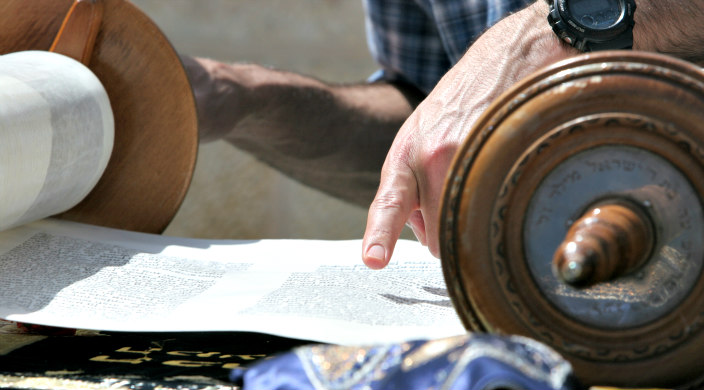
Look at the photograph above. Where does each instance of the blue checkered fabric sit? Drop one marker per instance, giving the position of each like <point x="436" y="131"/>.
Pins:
<point x="417" y="41"/>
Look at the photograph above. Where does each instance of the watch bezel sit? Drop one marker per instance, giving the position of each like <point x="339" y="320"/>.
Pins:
<point x="563" y="7"/>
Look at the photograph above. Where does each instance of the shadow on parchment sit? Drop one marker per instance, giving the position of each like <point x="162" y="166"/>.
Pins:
<point x="91" y="278"/>
<point x="441" y="292"/>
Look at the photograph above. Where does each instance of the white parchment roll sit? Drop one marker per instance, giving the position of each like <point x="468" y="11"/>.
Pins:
<point x="56" y="135"/>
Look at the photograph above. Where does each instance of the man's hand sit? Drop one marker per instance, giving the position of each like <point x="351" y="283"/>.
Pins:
<point x="413" y="174"/>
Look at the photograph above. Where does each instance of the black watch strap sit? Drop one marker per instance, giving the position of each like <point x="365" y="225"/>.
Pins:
<point x="623" y="41"/>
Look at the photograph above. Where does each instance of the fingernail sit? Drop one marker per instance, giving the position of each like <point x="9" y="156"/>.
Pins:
<point x="377" y="252"/>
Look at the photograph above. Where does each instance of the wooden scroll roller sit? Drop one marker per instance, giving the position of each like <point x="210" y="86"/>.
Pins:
<point x="155" y="126"/>
<point x="574" y="215"/>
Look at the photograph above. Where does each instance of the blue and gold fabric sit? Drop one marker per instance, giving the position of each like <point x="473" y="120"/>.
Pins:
<point x="472" y="361"/>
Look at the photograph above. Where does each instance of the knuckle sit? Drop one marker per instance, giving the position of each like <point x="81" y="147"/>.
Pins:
<point x="438" y="155"/>
<point x="388" y="201"/>
<point x="381" y="232"/>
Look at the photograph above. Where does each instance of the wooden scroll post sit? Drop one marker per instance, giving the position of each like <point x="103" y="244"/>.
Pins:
<point x="155" y="117"/>
<point x="76" y="38"/>
<point x="574" y="215"/>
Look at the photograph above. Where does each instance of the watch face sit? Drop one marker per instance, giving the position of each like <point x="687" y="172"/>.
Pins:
<point x="595" y="14"/>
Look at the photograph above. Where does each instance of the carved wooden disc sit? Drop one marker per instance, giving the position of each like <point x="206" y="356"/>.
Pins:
<point x="155" y="119"/>
<point x="593" y="128"/>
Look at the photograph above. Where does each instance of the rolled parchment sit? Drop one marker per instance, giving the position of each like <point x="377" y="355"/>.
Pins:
<point x="56" y="135"/>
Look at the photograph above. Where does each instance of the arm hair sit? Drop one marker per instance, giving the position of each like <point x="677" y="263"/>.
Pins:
<point x="671" y="27"/>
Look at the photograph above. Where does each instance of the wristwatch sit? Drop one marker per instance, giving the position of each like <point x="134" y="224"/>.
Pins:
<point x="592" y="25"/>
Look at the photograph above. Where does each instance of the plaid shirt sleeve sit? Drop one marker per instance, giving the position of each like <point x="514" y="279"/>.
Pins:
<point x="417" y="41"/>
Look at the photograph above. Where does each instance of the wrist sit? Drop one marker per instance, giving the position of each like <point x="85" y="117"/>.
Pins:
<point x="221" y="92"/>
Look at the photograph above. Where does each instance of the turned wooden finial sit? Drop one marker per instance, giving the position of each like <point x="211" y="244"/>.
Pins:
<point x="609" y="240"/>
<point x="80" y="27"/>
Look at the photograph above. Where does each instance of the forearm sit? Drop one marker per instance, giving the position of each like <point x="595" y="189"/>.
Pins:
<point x="665" y="26"/>
<point x="671" y="27"/>
<point x="331" y="137"/>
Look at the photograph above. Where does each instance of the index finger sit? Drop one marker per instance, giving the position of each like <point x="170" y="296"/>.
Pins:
<point x="396" y="198"/>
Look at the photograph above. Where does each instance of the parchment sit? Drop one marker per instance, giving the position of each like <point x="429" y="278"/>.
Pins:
<point x="72" y="275"/>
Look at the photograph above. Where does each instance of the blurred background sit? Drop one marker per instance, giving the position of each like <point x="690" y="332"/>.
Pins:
<point x="232" y="194"/>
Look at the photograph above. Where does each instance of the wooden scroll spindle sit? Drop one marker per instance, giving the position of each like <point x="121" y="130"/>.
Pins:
<point x="608" y="241"/>
<point x="80" y="27"/>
